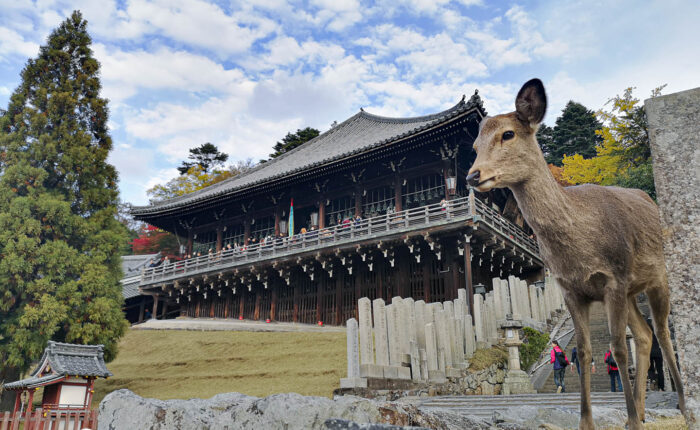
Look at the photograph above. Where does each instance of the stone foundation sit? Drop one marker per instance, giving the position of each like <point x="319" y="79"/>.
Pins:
<point x="487" y="382"/>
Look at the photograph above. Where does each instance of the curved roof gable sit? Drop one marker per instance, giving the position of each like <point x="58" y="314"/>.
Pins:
<point x="358" y="133"/>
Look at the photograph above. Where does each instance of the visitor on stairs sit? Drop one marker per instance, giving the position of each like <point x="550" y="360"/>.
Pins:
<point x="613" y="371"/>
<point x="560" y="362"/>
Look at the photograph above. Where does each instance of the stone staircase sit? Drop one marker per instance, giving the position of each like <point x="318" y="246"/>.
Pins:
<point x="484" y="406"/>
<point x="600" y="338"/>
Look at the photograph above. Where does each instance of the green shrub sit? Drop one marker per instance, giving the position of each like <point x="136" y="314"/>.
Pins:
<point x="534" y="343"/>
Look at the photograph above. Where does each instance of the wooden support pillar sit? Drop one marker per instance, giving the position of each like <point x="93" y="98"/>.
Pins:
<point x="241" y="303"/>
<point x="18" y="402"/>
<point x="219" y="238"/>
<point x="322" y="213"/>
<point x="155" y="307"/>
<point x="164" y="312"/>
<point x="30" y="403"/>
<point x="256" y="314"/>
<point x="246" y="231"/>
<point x="273" y="302"/>
<point x="426" y="279"/>
<point x="319" y="301"/>
<point x="278" y="217"/>
<point x="190" y="242"/>
<point x="445" y="172"/>
<point x="398" y="187"/>
<point x="468" y="273"/>
<point x="142" y="308"/>
<point x="339" y="299"/>
<point x="358" y="202"/>
<point x="295" y="313"/>
<point x="90" y="390"/>
<point x="358" y="291"/>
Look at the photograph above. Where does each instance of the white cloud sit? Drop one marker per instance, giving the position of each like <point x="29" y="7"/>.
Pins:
<point x="338" y="14"/>
<point x="14" y="44"/>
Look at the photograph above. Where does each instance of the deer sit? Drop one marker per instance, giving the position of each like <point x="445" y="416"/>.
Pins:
<point x="600" y="244"/>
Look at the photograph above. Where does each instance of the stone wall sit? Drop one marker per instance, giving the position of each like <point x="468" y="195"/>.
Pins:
<point x="674" y="131"/>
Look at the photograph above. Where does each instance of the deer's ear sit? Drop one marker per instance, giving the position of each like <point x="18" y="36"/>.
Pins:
<point x="531" y="103"/>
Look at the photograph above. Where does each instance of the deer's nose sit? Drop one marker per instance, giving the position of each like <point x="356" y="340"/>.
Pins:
<point x="474" y="178"/>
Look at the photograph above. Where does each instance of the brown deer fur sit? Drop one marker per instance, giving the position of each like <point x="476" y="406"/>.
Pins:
<point x="600" y="243"/>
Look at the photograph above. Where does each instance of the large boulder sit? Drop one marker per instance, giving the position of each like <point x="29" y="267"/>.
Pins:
<point x="123" y="409"/>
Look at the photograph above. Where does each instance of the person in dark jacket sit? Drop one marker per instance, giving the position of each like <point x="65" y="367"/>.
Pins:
<point x="560" y="361"/>
<point x="613" y="372"/>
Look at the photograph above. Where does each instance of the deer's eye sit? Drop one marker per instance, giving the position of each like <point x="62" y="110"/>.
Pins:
<point x="508" y="135"/>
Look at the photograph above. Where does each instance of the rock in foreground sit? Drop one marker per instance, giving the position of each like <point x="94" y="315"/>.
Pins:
<point x="123" y="409"/>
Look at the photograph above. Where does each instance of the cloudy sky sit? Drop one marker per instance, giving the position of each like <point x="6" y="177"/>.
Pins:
<point x="179" y="73"/>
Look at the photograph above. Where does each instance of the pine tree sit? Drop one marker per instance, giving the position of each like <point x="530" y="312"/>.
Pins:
<point x="59" y="237"/>
<point x="573" y="133"/>
<point x="206" y="156"/>
<point x="292" y="140"/>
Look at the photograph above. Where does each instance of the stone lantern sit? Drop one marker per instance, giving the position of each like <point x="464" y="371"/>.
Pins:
<point x="516" y="380"/>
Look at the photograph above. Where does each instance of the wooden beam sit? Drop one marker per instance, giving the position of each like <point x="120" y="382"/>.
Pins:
<point x="358" y="202"/>
<point x="319" y="301"/>
<point x="295" y="313"/>
<point x="241" y="302"/>
<point x="190" y="242"/>
<point x="256" y="314"/>
<point x="277" y="221"/>
<point x="219" y="238"/>
<point x="155" y="307"/>
<point x="246" y="231"/>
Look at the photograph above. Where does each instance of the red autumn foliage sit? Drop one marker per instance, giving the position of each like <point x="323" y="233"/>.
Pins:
<point x="152" y="239"/>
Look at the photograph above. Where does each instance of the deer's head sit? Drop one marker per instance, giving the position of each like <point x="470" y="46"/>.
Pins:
<point x="506" y="148"/>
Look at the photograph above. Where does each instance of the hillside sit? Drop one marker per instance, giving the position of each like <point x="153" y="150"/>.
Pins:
<point x="169" y="364"/>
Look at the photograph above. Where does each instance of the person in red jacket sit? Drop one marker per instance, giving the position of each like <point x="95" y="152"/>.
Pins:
<point x="560" y="362"/>
<point x="613" y="371"/>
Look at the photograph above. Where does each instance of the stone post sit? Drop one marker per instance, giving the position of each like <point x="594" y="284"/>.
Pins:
<point x="516" y="380"/>
<point x="674" y="134"/>
<point x="434" y="375"/>
<point x="533" y="303"/>
<point x="381" y="341"/>
<point x="443" y="337"/>
<point x="365" y="315"/>
<point x="469" y="342"/>
<point x="497" y="299"/>
<point x="420" y="311"/>
<point x="478" y="321"/>
<point x="514" y="297"/>
<point x="353" y="380"/>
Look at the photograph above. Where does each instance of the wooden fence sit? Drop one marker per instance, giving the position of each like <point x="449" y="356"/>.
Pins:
<point x="49" y="420"/>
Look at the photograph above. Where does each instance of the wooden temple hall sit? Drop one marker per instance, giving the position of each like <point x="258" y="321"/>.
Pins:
<point x="374" y="207"/>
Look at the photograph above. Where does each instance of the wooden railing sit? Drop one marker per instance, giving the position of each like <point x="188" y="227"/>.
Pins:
<point x="457" y="210"/>
<point x="43" y="419"/>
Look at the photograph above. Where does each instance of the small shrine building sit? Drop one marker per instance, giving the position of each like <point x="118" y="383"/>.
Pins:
<point x="67" y="373"/>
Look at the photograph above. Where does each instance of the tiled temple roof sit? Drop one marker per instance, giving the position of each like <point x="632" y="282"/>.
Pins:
<point x="65" y="359"/>
<point x="361" y="132"/>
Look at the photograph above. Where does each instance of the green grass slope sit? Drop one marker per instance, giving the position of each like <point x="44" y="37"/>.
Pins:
<point x="184" y="364"/>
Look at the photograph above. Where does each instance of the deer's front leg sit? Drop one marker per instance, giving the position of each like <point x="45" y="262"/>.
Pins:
<point x="579" y="310"/>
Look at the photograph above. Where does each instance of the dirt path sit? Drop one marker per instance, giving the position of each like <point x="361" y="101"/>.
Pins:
<point x="213" y="324"/>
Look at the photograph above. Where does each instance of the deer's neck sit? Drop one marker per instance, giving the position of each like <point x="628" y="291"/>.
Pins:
<point x="545" y="206"/>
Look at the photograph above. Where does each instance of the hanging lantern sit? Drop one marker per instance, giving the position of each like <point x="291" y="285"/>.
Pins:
<point x="314" y="218"/>
<point x="283" y="225"/>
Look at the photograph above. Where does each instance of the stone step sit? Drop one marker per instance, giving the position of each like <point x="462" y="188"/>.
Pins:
<point x="484" y="406"/>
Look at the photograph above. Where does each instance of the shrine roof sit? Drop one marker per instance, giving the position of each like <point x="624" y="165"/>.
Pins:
<point x="361" y="132"/>
<point x="65" y="359"/>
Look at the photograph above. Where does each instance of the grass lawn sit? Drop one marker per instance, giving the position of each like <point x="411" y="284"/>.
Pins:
<point x="173" y="364"/>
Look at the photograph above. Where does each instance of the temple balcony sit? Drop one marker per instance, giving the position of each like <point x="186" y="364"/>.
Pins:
<point x="493" y="239"/>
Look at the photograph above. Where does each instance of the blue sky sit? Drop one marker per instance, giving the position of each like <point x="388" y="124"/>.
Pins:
<point x="179" y="73"/>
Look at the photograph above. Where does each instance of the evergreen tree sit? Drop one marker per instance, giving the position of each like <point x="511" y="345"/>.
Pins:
<point x="59" y="236"/>
<point x="545" y="139"/>
<point x="206" y="156"/>
<point x="292" y="140"/>
<point x="573" y="133"/>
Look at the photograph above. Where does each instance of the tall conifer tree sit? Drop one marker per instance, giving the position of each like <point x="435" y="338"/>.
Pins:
<point x="59" y="238"/>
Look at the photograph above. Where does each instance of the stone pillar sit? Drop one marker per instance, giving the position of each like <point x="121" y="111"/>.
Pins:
<point x="420" y="311"/>
<point x="443" y="337"/>
<point x="401" y="326"/>
<point x="392" y="326"/>
<point x="434" y="374"/>
<point x="527" y="311"/>
<point x="497" y="300"/>
<point x="365" y="315"/>
<point x="353" y="380"/>
<point x="674" y="134"/>
<point x="516" y="381"/>
<point x="469" y="341"/>
<point x="514" y="297"/>
<point x="534" y="306"/>
<point x="381" y="342"/>
<point x="478" y="321"/>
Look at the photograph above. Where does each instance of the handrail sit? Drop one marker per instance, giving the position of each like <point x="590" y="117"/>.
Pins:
<point x="419" y="216"/>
